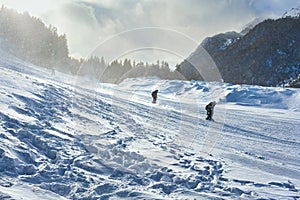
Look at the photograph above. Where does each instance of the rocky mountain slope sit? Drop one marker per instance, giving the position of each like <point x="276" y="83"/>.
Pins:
<point x="267" y="55"/>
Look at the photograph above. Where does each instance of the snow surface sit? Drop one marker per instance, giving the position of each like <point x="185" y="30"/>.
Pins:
<point x="226" y="44"/>
<point x="294" y="12"/>
<point x="65" y="137"/>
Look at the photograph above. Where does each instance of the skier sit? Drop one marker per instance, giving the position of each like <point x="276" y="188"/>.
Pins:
<point x="154" y="96"/>
<point x="210" y="110"/>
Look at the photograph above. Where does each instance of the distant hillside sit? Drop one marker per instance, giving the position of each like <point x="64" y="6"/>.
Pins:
<point x="28" y="38"/>
<point x="268" y="54"/>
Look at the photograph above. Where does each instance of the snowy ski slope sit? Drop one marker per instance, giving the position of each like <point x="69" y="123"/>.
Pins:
<point x="65" y="137"/>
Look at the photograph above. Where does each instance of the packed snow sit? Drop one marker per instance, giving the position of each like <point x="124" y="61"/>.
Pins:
<point x="67" y="137"/>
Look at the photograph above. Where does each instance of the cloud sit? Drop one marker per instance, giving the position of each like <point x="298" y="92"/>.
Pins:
<point x="273" y="8"/>
<point x="195" y="19"/>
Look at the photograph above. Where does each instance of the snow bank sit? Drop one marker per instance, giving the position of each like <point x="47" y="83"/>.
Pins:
<point x="280" y="98"/>
<point x="246" y="95"/>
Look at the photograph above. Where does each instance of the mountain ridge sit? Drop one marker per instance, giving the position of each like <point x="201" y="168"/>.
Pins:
<point x="267" y="55"/>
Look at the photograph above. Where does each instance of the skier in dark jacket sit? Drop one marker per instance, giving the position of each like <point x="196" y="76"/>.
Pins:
<point x="210" y="110"/>
<point x="154" y="96"/>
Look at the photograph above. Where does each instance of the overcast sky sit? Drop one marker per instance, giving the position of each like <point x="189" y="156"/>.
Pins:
<point x="147" y="29"/>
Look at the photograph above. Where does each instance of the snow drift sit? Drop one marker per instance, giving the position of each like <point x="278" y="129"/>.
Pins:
<point x="65" y="137"/>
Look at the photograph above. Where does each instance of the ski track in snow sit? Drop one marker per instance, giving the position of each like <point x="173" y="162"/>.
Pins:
<point x="63" y="139"/>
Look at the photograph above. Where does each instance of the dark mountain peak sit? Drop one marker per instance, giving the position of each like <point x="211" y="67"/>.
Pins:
<point x="268" y="54"/>
<point x="251" y="25"/>
<point x="221" y="41"/>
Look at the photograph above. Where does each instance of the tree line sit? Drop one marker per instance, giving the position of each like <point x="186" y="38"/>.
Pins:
<point x="28" y="38"/>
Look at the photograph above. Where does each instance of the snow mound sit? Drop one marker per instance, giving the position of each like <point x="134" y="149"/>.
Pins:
<point x="260" y="96"/>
